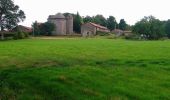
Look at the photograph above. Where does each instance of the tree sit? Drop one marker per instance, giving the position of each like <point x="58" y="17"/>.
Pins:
<point x="111" y="23"/>
<point x="88" y="19"/>
<point x="150" y="28"/>
<point x="77" y="22"/>
<point x="100" y="19"/>
<point x="43" y="28"/>
<point x="128" y="27"/>
<point x="122" y="24"/>
<point x="167" y="28"/>
<point x="10" y="15"/>
<point x="46" y="28"/>
<point x="36" y="28"/>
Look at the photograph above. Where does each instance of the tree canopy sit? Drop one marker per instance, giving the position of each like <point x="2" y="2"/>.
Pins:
<point x="88" y="19"/>
<point x="122" y="24"/>
<point x="100" y="19"/>
<point x="43" y="28"/>
<point x="111" y="23"/>
<point x="77" y="22"/>
<point x="167" y="28"/>
<point x="150" y="28"/>
<point x="10" y="14"/>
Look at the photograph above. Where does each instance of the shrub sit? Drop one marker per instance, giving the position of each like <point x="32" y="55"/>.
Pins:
<point x="19" y="35"/>
<point x="26" y="34"/>
<point x="132" y="37"/>
<point x="15" y="36"/>
<point x="102" y="33"/>
<point x="112" y="36"/>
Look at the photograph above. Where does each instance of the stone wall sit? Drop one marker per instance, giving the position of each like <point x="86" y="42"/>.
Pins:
<point x="88" y="30"/>
<point x="69" y="24"/>
<point x="60" y="26"/>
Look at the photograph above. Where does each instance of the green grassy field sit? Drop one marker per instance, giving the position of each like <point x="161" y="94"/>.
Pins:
<point x="84" y="69"/>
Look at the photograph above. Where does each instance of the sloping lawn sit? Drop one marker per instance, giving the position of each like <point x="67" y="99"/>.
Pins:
<point x="84" y="69"/>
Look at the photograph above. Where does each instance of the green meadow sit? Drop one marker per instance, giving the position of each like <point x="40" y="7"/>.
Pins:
<point x="84" y="69"/>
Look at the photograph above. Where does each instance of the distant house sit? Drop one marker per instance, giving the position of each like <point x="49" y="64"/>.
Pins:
<point x="22" y="29"/>
<point x="118" y="32"/>
<point x="90" y="29"/>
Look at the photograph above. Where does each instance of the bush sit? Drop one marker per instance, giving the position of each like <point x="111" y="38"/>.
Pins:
<point x="164" y="38"/>
<point x="112" y="36"/>
<point x="102" y="33"/>
<point x="132" y="37"/>
<point x="20" y="35"/>
<point x="26" y="34"/>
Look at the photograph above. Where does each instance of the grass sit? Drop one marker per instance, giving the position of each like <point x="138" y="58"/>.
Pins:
<point x="84" y="69"/>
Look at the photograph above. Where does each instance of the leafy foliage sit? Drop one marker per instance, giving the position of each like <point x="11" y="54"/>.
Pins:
<point x="36" y="28"/>
<point x="10" y="14"/>
<point x="88" y="19"/>
<point x="18" y="35"/>
<point x="167" y="28"/>
<point x="46" y="28"/>
<point x="100" y="19"/>
<point x="122" y="24"/>
<point x="43" y="28"/>
<point x="102" y="33"/>
<point x="77" y="22"/>
<point x="111" y="23"/>
<point x="149" y="28"/>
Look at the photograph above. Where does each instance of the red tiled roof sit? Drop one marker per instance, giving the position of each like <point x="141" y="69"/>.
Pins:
<point x="28" y="28"/>
<point x="97" y="25"/>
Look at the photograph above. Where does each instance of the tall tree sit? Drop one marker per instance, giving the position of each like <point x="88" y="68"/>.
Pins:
<point x="88" y="19"/>
<point x="77" y="22"/>
<point x="42" y="28"/>
<point x="100" y="19"/>
<point x="10" y="15"/>
<point x="46" y="28"/>
<point x="122" y="24"/>
<point x="111" y="23"/>
<point x="167" y="28"/>
<point x="150" y="28"/>
<point x="36" y="28"/>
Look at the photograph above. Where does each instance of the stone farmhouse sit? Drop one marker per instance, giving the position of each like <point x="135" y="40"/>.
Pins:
<point x="90" y="29"/>
<point x="63" y="25"/>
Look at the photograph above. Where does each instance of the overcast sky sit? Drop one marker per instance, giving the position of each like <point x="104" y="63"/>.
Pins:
<point x="130" y="10"/>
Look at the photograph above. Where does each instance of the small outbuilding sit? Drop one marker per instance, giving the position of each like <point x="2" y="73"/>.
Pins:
<point x="118" y="32"/>
<point x="90" y="29"/>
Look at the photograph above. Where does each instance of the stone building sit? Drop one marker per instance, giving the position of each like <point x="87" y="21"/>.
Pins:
<point x="118" y="32"/>
<point x="63" y="25"/>
<point x="90" y="29"/>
